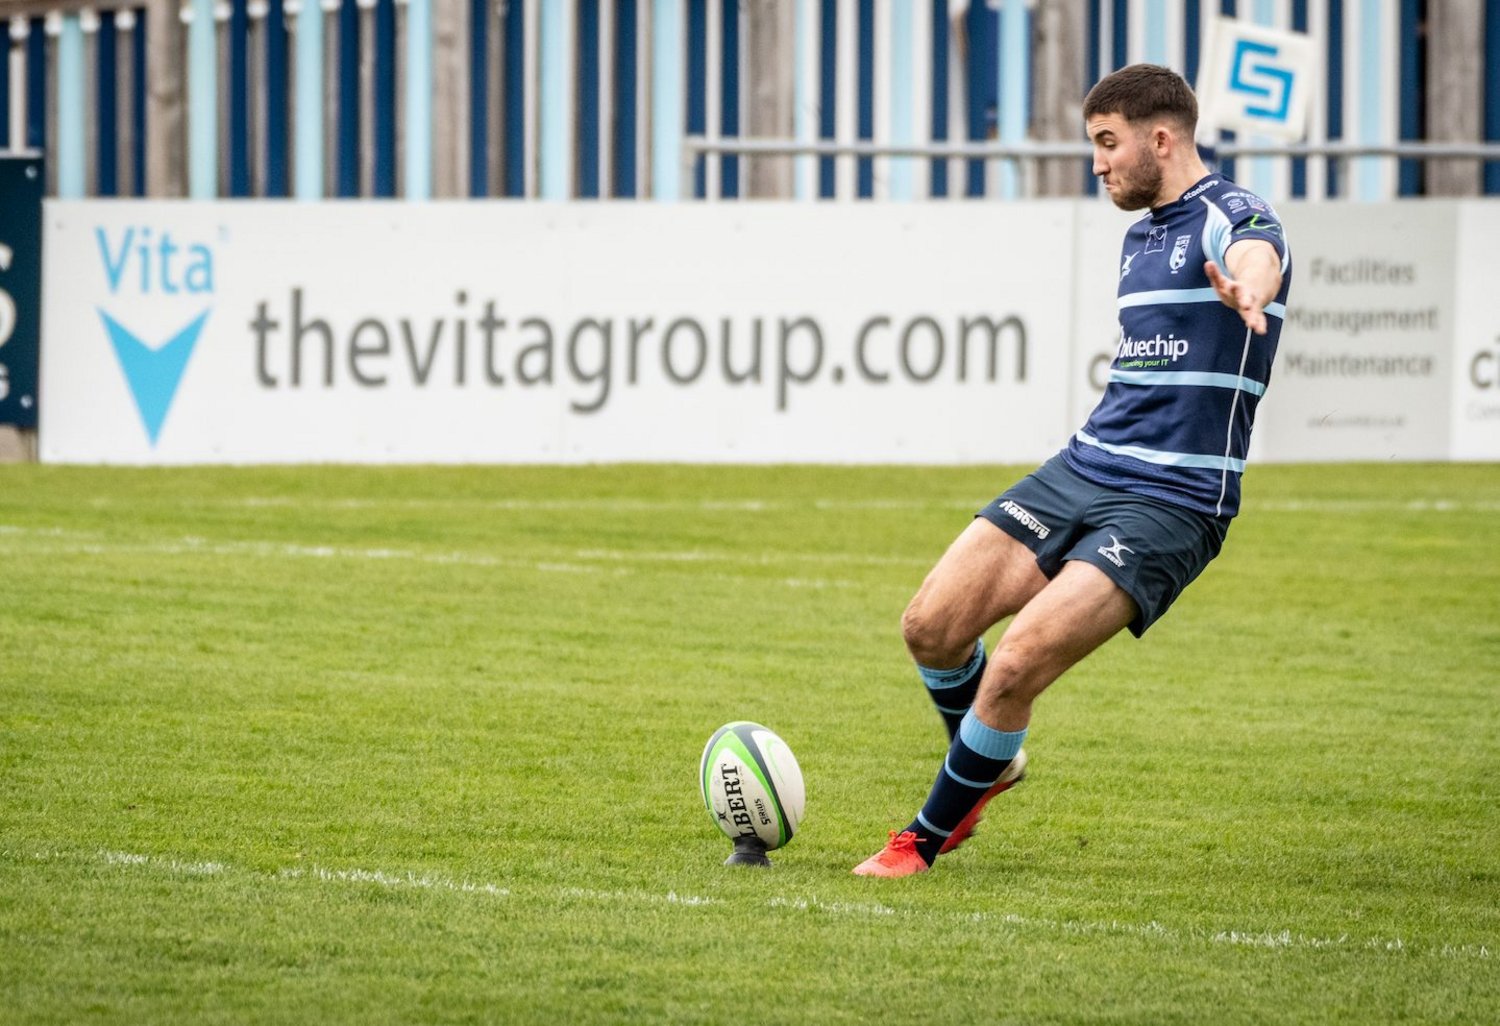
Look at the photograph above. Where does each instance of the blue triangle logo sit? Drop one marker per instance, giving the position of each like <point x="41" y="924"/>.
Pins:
<point x="153" y="374"/>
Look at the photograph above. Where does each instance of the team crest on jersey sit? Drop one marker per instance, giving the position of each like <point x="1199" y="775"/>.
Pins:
<point x="1179" y="252"/>
<point x="1156" y="238"/>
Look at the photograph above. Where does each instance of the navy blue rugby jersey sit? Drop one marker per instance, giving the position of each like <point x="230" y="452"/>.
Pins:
<point x="1175" y="419"/>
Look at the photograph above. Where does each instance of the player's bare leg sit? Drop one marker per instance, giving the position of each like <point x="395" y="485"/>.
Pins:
<point x="985" y="576"/>
<point x="1077" y="612"/>
<point x="1063" y="622"/>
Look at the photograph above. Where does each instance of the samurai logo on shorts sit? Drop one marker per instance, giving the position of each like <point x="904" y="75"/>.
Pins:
<point x="1113" y="552"/>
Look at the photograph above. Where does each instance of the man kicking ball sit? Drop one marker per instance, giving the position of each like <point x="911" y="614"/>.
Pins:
<point x="1107" y="533"/>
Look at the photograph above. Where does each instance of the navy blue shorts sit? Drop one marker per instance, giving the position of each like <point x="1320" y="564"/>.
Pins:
<point x="1150" y="549"/>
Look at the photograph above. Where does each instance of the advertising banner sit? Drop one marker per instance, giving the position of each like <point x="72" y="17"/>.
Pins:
<point x="1475" y="401"/>
<point x="271" y="331"/>
<point x="21" y="182"/>
<point x="1364" y="367"/>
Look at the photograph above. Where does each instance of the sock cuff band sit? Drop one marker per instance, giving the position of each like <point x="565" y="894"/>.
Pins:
<point x="937" y="680"/>
<point x="989" y="742"/>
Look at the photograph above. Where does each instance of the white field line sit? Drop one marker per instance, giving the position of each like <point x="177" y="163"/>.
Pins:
<point x="626" y="505"/>
<point x="583" y="561"/>
<point x="1286" y="939"/>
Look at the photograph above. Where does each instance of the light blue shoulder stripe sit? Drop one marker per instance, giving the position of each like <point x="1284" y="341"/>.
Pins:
<point x="1217" y="233"/>
<point x="1204" y="378"/>
<point x="1166" y="459"/>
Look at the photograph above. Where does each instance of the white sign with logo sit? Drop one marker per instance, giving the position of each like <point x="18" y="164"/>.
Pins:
<point x="1256" y="79"/>
<point x="269" y="331"/>
<point x="1475" y="401"/>
<point x="1363" y="368"/>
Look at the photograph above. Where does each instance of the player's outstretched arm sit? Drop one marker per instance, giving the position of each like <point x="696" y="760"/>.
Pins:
<point x="1252" y="281"/>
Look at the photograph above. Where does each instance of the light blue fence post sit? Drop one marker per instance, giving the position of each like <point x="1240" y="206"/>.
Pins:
<point x="554" y="127"/>
<point x="419" y="99"/>
<point x="203" y="103"/>
<point x="70" y="107"/>
<point x="666" y="99"/>
<point x="309" y="101"/>
<point x="902" y="113"/>
<point x="1015" y="74"/>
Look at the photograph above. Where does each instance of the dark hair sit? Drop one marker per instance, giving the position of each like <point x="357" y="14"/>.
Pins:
<point x="1142" y="92"/>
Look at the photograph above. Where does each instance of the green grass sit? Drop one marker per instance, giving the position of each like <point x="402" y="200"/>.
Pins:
<point x="419" y="745"/>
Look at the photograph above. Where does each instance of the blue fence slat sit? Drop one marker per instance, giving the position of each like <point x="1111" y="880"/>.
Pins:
<point x="479" y="97"/>
<point x="4" y="85"/>
<point x="36" y="85"/>
<point x="349" y="100"/>
<point x="383" y="174"/>
<point x="1335" y="86"/>
<point x="1119" y="44"/>
<point x="1227" y="164"/>
<point x="1492" y="91"/>
<point x="515" y="98"/>
<point x="138" y="105"/>
<point x="276" y="99"/>
<point x="864" y="173"/>
<point x="981" y="81"/>
<point x="940" y="86"/>
<point x="828" y="33"/>
<point x="1299" y="164"/>
<point x="107" y="105"/>
<point x="1192" y="31"/>
<point x="627" y="116"/>
<point x="729" y="96"/>
<point x="1409" y="173"/>
<point x="587" y="105"/>
<point x="239" y="98"/>
<point x="1092" y="72"/>
<point x="697" y="85"/>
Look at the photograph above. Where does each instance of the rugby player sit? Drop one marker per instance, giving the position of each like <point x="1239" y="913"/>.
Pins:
<point x="1106" y="534"/>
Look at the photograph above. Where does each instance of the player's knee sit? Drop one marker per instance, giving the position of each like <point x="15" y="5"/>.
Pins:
<point x="929" y="637"/>
<point x="1013" y="674"/>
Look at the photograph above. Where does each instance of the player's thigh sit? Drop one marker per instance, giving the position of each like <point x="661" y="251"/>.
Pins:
<point x="1078" y="610"/>
<point x="985" y="576"/>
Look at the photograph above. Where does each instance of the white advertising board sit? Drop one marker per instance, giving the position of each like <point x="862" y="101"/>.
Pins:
<point x="1475" y="400"/>
<point x="1363" y="368"/>
<point x="265" y="331"/>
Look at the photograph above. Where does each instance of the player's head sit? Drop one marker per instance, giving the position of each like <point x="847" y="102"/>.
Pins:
<point x="1143" y="94"/>
<point x="1137" y="118"/>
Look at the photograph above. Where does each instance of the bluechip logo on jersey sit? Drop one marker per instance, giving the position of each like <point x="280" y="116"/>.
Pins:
<point x="144" y="265"/>
<point x="1159" y="349"/>
<point x="1156" y="238"/>
<point x="1113" y="553"/>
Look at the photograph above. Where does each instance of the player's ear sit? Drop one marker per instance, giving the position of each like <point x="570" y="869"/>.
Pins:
<point x="1162" y="139"/>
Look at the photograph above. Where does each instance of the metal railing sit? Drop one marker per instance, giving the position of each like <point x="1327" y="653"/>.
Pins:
<point x="1024" y="158"/>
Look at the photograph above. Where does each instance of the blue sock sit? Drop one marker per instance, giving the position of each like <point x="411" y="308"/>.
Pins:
<point x="976" y="759"/>
<point x="953" y="691"/>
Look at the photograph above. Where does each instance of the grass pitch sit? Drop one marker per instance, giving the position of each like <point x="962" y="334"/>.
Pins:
<point x="419" y="745"/>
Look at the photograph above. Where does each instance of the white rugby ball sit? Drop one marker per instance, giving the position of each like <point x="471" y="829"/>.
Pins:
<point x="752" y="784"/>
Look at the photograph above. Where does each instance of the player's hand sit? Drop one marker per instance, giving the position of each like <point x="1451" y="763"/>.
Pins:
<point x="1238" y="295"/>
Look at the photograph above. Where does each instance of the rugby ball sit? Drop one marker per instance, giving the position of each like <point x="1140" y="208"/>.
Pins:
<point x="751" y="785"/>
